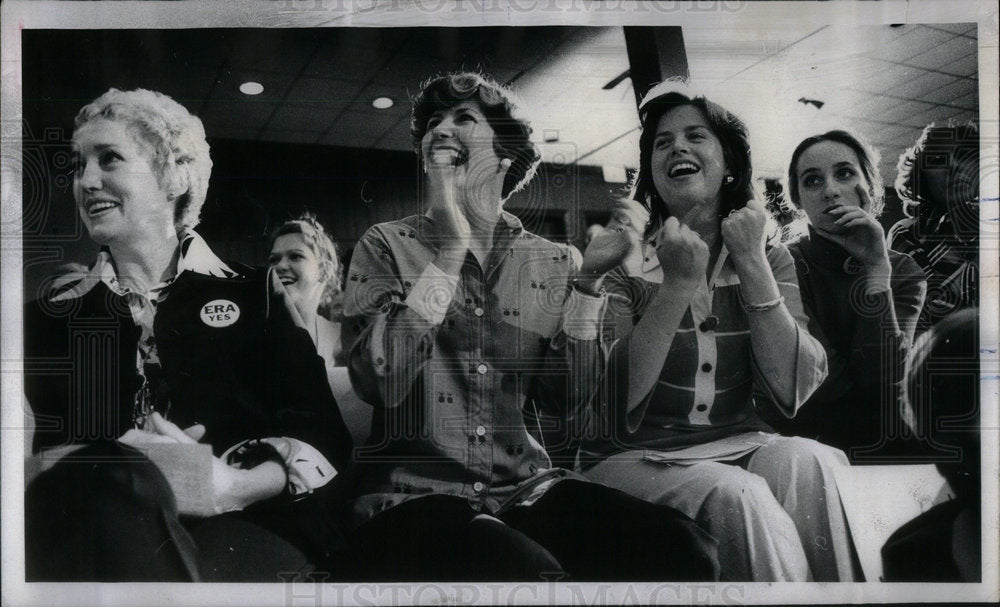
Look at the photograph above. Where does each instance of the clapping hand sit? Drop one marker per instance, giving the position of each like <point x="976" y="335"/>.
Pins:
<point x="446" y="178"/>
<point x="224" y="477"/>
<point x="607" y="250"/>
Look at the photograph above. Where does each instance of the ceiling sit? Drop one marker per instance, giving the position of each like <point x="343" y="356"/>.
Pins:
<point x="886" y="82"/>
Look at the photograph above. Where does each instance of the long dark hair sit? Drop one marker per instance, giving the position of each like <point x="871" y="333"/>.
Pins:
<point x="725" y="125"/>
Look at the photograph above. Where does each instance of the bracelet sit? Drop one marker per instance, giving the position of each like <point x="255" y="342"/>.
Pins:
<point x="767" y="305"/>
<point x="601" y="291"/>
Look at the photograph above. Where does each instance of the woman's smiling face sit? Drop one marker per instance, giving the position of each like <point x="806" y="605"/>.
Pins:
<point x="117" y="191"/>
<point x="297" y="267"/>
<point x="687" y="162"/>
<point x="460" y="132"/>
<point x="463" y="137"/>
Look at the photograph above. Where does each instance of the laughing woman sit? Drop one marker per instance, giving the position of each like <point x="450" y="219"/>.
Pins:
<point x="715" y="322"/>
<point x="458" y="323"/>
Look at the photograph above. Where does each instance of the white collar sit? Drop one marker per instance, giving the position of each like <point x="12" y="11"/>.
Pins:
<point x="194" y="256"/>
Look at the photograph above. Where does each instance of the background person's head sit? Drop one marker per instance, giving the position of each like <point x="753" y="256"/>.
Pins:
<point x="511" y="133"/>
<point x="941" y="169"/>
<point x="733" y="185"/>
<point x="825" y="170"/>
<point x="168" y="137"/>
<point x="306" y="262"/>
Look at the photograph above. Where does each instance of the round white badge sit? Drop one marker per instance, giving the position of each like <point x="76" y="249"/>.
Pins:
<point x="219" y="313"/>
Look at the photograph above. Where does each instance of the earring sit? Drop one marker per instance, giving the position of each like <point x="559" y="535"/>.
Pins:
<point x="505" y="163"/>
<point x="729" y="179"/>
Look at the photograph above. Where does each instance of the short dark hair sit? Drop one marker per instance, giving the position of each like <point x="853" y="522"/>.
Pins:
<point x="961" y="141"/>
<point x="513" y="133"/>
<point x="868" y="158"/>
<point x="726" y="126"/>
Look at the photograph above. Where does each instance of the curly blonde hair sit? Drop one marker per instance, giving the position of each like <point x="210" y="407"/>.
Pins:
<point x="175" y="138"/>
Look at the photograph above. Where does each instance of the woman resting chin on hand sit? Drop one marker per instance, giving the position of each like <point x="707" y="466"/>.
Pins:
<point x="863" y="299"/>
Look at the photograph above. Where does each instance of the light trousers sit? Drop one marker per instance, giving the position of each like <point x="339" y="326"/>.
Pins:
<point x="777" y="518"/>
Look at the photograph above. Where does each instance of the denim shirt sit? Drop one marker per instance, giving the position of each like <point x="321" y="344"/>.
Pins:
<point x="453" y="363"/>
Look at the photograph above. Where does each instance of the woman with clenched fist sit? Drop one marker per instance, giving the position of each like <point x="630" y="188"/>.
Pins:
<point x="711" y="325"/>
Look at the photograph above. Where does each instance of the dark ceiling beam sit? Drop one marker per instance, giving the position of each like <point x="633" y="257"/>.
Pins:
<point x="654" y="54"/>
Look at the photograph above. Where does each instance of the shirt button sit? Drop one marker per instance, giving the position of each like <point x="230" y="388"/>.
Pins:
<point x="480" y="431"/>
<point x="478" y="487"/>
<point x="482" y="369"/>
<point x="478" y="312"/>
<point x="702" y="408"/>
<point x="706" y="367"/>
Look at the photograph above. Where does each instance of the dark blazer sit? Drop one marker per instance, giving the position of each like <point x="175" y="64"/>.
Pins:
<point x="257" y="377"/>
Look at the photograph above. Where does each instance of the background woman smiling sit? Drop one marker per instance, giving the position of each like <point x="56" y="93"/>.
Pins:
<point x="305" y="261"/>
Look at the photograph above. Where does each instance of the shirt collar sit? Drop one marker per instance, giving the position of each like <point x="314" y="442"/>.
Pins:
<point x="507" y="226"/>
<point x="723" y="273"/>
<point x="194" y="256"/>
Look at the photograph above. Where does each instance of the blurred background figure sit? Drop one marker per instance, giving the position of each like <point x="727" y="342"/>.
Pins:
<point x="942" y="403"/>
<point x="790" y="220"/>
<point x="938" y="182"/>
<point x="305" y="260"/>
<point x="194" y="353"/>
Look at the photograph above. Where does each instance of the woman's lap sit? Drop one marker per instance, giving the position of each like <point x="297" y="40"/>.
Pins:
<point x="601" y="533"/>
<point x="108" y="514"/>
<point x="757" y="538"/>
<point x="577" y="529"/>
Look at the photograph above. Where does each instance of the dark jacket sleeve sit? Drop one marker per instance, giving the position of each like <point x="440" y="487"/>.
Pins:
<point x="303" y="404"/>
<point x="873" y="345"/>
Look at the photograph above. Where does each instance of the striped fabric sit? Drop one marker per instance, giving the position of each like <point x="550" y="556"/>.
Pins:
<point x="708" y="381"/>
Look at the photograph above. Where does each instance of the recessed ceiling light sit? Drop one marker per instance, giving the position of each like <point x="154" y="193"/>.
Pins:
<point x="251" y="88"/>
<point x="382" y="103"/>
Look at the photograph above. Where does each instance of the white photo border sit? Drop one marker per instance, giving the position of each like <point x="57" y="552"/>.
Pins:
<point x="18" y="15"/>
